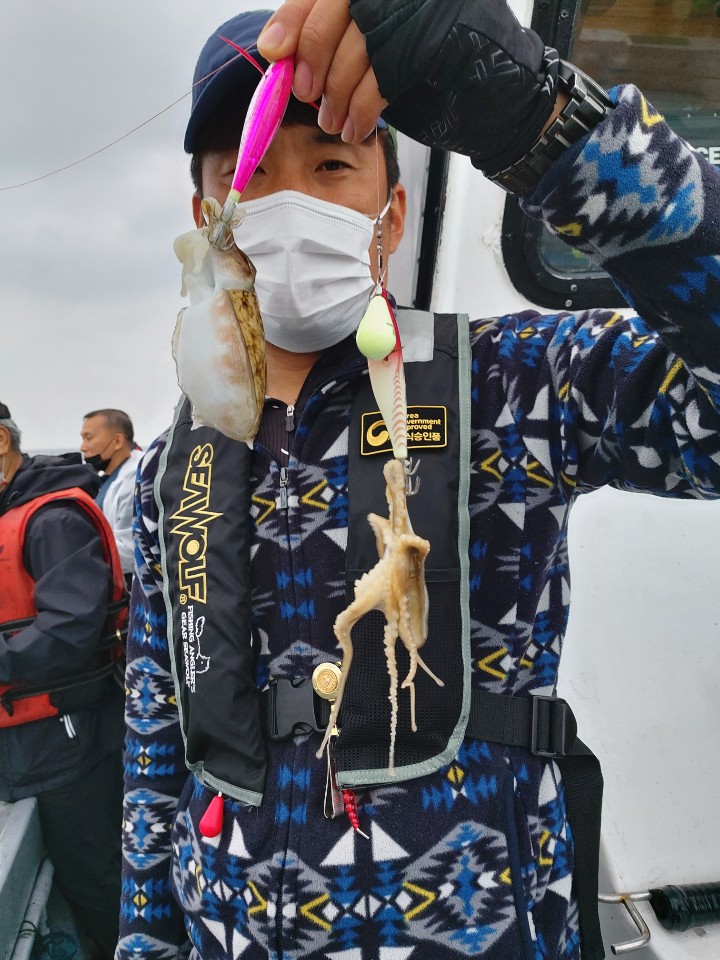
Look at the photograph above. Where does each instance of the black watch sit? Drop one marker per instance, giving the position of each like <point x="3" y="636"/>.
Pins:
<point x="588" y="105"/>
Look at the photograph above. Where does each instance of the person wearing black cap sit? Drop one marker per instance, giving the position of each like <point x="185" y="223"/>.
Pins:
<point x="61" y="595"/>
<point x="470" y="846"/>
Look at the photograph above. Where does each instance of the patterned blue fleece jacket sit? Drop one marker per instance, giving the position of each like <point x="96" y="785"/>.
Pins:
<point x="476" y="859"/>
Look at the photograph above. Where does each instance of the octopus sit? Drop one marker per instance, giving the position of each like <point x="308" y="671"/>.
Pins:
<point x="219" y="343"/>
<point x="396" y="587"/>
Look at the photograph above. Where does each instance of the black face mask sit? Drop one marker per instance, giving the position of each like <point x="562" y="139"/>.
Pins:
<point x="97" y="462"/>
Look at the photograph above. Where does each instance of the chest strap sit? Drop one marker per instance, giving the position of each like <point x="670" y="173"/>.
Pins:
<point x="291" y="707"/>
<point x="544" y="725"/>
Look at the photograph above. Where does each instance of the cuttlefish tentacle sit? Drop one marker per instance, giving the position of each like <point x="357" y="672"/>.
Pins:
<point x="396" y="587"/>
<point x="219" y="342"/>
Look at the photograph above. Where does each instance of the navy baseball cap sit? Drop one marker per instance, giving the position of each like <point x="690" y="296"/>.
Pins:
<point x="222" y="74"/>
<point x="220" y="70"/>
<point x="4" y="412"/>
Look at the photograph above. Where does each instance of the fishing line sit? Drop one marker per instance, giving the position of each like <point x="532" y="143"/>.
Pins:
<point x="377" y="172"/>
<point x="378" y="220"/>
<point x="107" y="146"/>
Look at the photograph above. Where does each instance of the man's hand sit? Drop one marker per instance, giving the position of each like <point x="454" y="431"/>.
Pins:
<point x="331" y="62"/>
<point x="457" y="74"/>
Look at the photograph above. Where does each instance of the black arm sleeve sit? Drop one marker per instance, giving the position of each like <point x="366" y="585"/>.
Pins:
<point x="462" y="75"/>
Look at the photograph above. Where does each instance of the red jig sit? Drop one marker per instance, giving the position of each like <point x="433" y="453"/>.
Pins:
<point x="211" y="823"/>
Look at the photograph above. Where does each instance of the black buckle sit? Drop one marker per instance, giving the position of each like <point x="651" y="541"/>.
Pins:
<point x="288" y="708"/>
<point x="550" y="719"/>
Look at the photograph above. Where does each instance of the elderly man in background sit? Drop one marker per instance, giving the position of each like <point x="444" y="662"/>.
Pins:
<point x="62" y="607"/>
<point x="108" y="445"/>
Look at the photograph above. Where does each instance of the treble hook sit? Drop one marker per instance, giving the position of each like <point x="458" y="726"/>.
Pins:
<point x="412" y="483"/>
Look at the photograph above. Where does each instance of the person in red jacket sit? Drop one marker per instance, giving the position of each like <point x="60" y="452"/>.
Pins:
<point x="61" y="717"/>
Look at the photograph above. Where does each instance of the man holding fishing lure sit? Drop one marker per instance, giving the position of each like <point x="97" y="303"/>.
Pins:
<point x="472" y="844"/>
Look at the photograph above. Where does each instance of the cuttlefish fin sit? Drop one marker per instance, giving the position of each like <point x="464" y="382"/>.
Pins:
<point x="247" y="311"/>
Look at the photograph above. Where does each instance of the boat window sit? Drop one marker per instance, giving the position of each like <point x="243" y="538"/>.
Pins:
<point x="668" y="48"/>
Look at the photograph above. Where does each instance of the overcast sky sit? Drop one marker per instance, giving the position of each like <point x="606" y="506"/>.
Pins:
<point x="89" y="282"/>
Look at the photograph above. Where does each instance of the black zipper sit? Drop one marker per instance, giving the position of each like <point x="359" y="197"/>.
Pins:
<point x="281" y="878"/>
<point x="290" y="418"/>
<point x="283" y="488"/>
<point x="284" y="502"/>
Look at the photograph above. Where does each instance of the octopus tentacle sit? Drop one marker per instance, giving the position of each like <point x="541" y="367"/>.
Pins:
<point x="389" y="638"/>
<point x="342" y="629"/>
<point x="396" y="587"/>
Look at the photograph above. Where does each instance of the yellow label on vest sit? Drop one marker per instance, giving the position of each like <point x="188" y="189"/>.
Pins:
<point x="426" y="427"/>
<point x="191" y="521"/>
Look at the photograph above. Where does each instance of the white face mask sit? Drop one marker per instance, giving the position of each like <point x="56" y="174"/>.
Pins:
<point x="313" y="267"/>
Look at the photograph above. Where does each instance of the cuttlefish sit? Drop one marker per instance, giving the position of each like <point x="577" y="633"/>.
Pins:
<point x="219" y="343"/>
<point x="396" y="587"/>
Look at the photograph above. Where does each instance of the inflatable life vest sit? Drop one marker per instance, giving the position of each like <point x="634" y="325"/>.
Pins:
<point x="204" y="500"/>
<point x="25" y="703"/>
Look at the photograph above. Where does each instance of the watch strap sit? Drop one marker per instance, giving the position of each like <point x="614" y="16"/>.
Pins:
<point x="587" y="106"/>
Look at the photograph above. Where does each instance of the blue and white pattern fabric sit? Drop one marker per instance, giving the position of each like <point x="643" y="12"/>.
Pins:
<point x="477" y="859"/>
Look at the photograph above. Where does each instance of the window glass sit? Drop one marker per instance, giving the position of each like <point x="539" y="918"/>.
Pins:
<point x="668" y="48"/>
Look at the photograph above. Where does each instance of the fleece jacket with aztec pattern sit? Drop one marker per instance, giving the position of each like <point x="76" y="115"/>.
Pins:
<point x="476" y="859"/>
